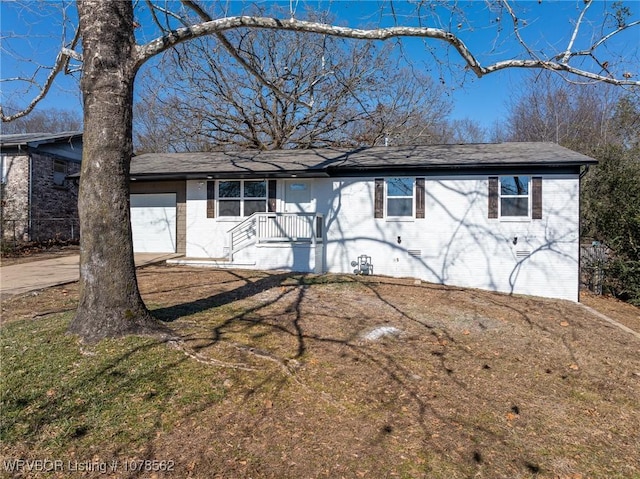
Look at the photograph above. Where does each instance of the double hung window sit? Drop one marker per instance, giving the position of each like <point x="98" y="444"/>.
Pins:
<point x="399" y="198"/>
<point x="241" y="197"/>
<point x="515" y="197"/>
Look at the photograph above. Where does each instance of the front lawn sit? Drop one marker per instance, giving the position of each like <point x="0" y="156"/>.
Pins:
<point x="303" y="376"/>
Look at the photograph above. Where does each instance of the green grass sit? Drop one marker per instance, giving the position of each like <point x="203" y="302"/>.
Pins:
<point x="57" y="395"/>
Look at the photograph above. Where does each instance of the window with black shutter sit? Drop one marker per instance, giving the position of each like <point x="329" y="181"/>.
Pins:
<point x="401" y="197"/>
<point x="271" y="202"/>
<point x="536" y="198"/>
<point x="493" y="197"/>
<point x="420" y="198"/>
<point x="241" y="197"/>
<point x="518" y="196"/>
<point x="378" y="203"/>
<point x="211" y="199"/>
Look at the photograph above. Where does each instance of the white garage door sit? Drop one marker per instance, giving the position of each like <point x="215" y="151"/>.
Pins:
<point x="153" y="222"/>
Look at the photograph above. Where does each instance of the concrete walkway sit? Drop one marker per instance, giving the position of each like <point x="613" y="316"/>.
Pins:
<point x="25" y="277"/>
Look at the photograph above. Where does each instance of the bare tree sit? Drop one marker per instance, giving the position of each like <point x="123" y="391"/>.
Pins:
<point x="604" y="124"/>
<point x="50" y="120"/>
<point x="110" y="303"/>
<point x="332" y="93"/>
<point x="405" y="108"/>
<point x="464" y="130"/>
<point x="575" y="116"/>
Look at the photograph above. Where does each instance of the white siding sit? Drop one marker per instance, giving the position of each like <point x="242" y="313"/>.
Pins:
<point x="455" y="244"/>
<point x="209" y="238"/>
<point x="206" y="237"/>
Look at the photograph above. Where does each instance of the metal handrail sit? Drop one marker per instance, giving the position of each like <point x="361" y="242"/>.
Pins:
<point x="275" y="227"/>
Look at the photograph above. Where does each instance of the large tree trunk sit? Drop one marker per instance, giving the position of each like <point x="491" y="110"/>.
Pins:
<point x="110" y="303"/>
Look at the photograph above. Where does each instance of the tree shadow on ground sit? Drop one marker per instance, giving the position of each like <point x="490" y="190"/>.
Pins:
<point x="250" y="288"/>
<point x="283" y="316"/>
<point x="456" y="343"/>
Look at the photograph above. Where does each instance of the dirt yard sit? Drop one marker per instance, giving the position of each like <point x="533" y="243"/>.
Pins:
<point x="344" y="376"/>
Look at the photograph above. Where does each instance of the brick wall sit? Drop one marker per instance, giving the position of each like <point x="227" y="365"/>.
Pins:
<point x="15" y="198"/>
<point x="54" y="207"/>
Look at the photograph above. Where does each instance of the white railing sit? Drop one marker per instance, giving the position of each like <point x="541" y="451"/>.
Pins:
<point x="276" y="228"/>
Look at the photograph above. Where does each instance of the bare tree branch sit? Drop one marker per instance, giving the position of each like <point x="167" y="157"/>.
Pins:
<point x="567" y="53"/>
<point x="559" y="63"/>
<point x="356" y="92"/>
<point x="600" y="42"/>
<point x="615" y="32"/>
<point x="204" y="16"/>
<point x="167" y="13"/>
<point x="557" y="67"/>
<point x="235" y="54"/>
<point x="70" y="50"/>
<point x="61" y="62"/>
<point x="152" y="11"/>
<point x="145" y="52"/>
<point x="516" y="29"/>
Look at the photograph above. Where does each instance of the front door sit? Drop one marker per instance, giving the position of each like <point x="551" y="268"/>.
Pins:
<point x="297" y="196"/>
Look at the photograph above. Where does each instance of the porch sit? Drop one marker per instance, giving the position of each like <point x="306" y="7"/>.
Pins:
<point x="287" y="241"/>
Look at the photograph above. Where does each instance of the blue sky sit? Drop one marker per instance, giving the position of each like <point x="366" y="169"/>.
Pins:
<point x="36" y="38"/>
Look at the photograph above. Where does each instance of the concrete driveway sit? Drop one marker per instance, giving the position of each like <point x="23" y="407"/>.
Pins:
<point x="25" y="277"/>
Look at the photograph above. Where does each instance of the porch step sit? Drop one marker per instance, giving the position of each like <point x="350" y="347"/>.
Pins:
<point x="211" y="263"/>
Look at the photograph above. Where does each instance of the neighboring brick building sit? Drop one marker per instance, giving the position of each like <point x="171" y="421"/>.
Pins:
<point x="38" y="202"/>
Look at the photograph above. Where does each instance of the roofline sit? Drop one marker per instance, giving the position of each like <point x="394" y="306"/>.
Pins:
<point x="470" y="166"/>
<point x="57" y="139"/>
<point x="46" y="138"/>
<point x="230" y="175"/>
<point x="337" y="172"/>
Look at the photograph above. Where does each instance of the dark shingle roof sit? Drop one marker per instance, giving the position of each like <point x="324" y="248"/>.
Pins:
<point x="34" y="139"/>
<point x="329" y="161"/>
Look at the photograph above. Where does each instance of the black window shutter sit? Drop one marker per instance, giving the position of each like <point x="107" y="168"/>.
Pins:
<point x="271" y="203"/>
<point x="420" y="208"/>
<point x="536" y="198"/>
<point x="211" y="199"/>
<point x="493" y="196"/>
<point x="378" y="202"/>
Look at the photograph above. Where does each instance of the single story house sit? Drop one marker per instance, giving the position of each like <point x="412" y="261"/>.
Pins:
<point x="502" y="217"/>
<point x="38" y="202"/>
